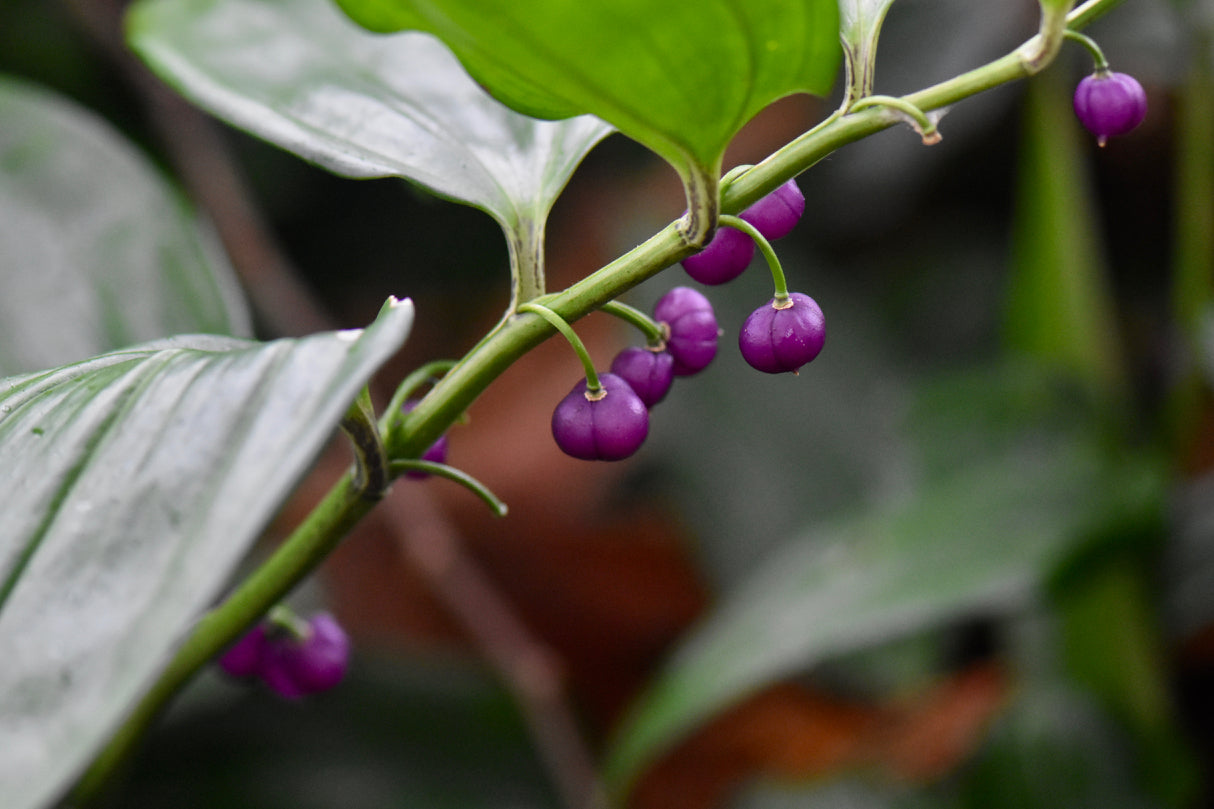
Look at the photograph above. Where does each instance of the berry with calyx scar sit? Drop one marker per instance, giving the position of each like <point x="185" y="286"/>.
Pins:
<point x="609" y="424"/>
<point x="781" y="336"/>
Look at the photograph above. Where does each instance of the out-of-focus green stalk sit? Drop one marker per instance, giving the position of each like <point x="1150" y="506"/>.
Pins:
<point x="1059" y="309"/>
<point x="1193" y="237"/>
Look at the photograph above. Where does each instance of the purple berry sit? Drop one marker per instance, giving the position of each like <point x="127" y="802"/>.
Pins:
<point x="437" y="452"/>
<point x="649" y="373"/>
<point x="723" y="259"/>
<point x="776" y="340"/>
<point x="243" y="658"/>
<point x="692" y="327"/>
<point x="1110" y="104"/>
<point x="609" y="428"/>
<point x="295" y="667"/>
<point x="777" y="213"/>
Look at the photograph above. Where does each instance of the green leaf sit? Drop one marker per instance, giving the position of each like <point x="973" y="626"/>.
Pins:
<point x="134" y="482"/>
<point x="980" y="538"/>
<point x="300" y="75"/>
<point x="680" y="78"/>
<point x="97" y="251"/>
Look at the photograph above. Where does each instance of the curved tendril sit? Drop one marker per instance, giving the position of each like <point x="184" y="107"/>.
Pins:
<point x="654" y="334"/>
<point x="922" y="122"/>
<point x="1101" y="64"/>
<point x="773" y="263"/>
<point x="451" y="473"/>
<point x="427" y="374"/>
<point x="592" y="378"/>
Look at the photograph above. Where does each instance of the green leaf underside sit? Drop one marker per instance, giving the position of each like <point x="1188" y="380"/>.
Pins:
<point x="978" y="540"/>
<point x="302" y="76"/>
<point x="680" y="78"/>
<point x="97" y="251"/>
<point x="134" y="482"/>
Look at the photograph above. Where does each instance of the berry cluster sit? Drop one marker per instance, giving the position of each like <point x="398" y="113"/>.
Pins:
<point x="293" y="657"/>
<point x="611" y="423"/>
<point x="730" y="251"/>
<point x="606" y="416"/>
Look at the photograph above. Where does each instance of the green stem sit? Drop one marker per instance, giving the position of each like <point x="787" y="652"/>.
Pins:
<point x="703" y="190"/>
<point x="1101" y="64"/>
<point x="560" y="324"/>
<point x="527" y="274"/>
<point x="457" y="390"/>
<point x="1041" y="49"/>
<point x="451" y="473"/>
<point x="647" y="325"/>
<point x="840" y="130"/>
<point x="773" y="263"/>
<point x="345" y="504"/>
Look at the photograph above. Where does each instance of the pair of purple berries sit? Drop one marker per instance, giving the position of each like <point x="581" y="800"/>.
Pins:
<point x="1109" y="104"/>
<point x="612" y="423"/>
<point x="789" y="330"/>
<point x="730" y="251"/>
<point x="293" y="657"/>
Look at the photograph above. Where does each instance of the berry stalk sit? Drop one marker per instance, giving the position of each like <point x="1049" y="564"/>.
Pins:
<point x="593" y="386"/>
<point x="773" y="262"/>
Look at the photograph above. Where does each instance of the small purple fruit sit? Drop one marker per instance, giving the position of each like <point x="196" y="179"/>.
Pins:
<point x="243" y="658"/>
<point x="649" y="373"/>
<point x="723" y="259"/>
<point x="692" y="327"/>
<point x="608" y="428"/>
<point x="776" y="338"/>
<point x="295" y="667"/>
<point x="1110" y="104"/>
<point x="777" y="213"/>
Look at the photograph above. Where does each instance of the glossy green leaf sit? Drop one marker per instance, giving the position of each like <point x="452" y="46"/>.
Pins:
<point x="300" y="75"/>
<point x="680" y="78"/>
<point x="97" y="251"/>
<point x="134" y="482"/>
<point x="979" y="538"/>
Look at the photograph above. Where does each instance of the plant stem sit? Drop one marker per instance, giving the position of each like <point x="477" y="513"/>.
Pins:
<point x="516" y="336"/>
<point x="346" y="504"/>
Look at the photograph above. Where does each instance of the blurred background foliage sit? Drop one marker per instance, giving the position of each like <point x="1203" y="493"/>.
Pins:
<point x="1079" y="678"/>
